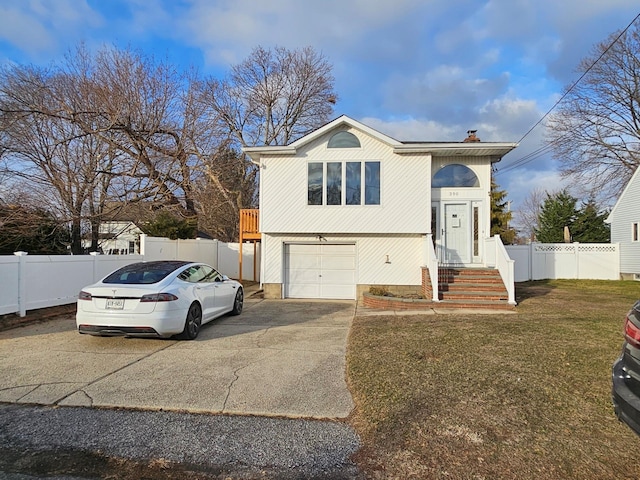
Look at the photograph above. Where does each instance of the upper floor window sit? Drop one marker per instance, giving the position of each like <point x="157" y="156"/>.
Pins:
<point x="343" y="183"/>
<point x="455" y="175"/>
<point x="635" y="234"/>
<point x="344" y="140"/>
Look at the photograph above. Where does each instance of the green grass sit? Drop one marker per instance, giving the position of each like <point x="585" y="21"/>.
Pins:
<point x="496" y="396"/>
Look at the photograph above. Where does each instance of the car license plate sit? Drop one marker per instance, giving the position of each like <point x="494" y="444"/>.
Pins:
<point x="115" y="303"/>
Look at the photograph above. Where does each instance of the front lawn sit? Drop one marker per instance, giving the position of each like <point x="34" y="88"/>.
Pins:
<point x="522" y="396"/>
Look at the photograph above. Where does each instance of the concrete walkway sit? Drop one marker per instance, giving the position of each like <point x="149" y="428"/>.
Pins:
<point x="279" y="358"/>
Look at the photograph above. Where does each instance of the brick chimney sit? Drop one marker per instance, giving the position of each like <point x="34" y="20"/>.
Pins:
<point x="471" y="136"/>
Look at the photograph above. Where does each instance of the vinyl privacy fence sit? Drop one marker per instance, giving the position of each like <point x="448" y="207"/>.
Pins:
<point x="29" y="282"/>
<point x="585" y="261"/>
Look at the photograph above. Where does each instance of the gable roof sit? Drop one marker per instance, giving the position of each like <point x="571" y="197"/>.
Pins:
<point x="634" y="178"/>
<point x="495" y="150"/>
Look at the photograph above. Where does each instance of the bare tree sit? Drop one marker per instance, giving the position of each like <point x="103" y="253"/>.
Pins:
<point x="528" y="214"/>
<point x="596" y="132"/>
<point x="49" y="153"/>
<point x="226" y="187"/>
<point x="274" y="96"/>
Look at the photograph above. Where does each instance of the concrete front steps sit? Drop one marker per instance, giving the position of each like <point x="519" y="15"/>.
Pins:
<point x="472" y="288"/>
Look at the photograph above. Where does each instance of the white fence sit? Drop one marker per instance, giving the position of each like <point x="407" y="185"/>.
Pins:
<point x="586" y="261"/>
<point x="224" y="257"/>
<point x="29" y="282"/>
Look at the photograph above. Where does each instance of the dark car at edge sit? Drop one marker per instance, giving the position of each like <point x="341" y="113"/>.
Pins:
<point x="626" y="373"/>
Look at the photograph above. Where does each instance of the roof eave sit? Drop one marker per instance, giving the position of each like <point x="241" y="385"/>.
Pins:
<point x="256" y="152"/>
<point x="480" y="149"/>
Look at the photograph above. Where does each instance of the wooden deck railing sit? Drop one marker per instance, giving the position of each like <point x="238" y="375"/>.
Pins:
<point x="249" y="227"/>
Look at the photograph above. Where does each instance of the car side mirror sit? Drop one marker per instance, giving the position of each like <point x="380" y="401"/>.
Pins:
<point x="224" y="278"/>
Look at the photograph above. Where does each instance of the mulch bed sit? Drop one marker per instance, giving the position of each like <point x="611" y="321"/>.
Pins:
<point x="13" y="320"/>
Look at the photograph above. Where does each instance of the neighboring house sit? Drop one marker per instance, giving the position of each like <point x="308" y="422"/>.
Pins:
<point x="119" y="231"/>
<point x="119" y="237"/>
<point x="625" y="228"/>
<point x="346" y="207"/>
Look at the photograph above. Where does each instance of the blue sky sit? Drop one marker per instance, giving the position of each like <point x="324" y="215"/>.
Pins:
<point x="414" y="69"/>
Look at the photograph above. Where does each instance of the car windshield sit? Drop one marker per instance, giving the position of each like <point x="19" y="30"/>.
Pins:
<point x="143" y="273"/>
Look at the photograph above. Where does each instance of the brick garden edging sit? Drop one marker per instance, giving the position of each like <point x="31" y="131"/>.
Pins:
<point x="395" y="303"/>
<point x="381" y="302"/>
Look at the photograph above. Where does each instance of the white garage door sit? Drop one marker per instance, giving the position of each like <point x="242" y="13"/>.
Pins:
<point x="320" y="271"/>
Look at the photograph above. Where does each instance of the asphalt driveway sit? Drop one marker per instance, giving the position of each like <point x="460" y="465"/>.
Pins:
<point x="279" y="358"/>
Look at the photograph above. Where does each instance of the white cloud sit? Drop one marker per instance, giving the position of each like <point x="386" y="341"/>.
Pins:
<point x="24" y="31"/>
<point x="40" y="28"/>
<point x="446" y="93"/>
<point x="412" y="129"/>
<point x="334" y="26"/>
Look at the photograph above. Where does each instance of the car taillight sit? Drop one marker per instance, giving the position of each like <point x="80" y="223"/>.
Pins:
<point x="84" y="295"/>
<point x="631" y="333"/>
<point x="158" y="297"/>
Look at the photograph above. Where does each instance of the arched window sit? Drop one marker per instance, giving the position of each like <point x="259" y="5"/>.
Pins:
<point x="455" y="175"/>
<point x="344" y="140"/>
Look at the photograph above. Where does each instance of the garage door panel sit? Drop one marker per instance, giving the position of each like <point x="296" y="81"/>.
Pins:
<point x="339" y="277"/>
<point x="303" y="249"/>
<point x="300" y="261"/>
<point x="303" y="276"/>
<point x="338" y="249"/>
<point x="338" y="263"/>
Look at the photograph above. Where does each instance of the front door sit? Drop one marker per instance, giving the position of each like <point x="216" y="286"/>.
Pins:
<point x="456" y="239"/>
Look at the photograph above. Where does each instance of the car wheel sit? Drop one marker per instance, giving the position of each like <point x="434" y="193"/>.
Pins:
<point x="238" y="302"/>
<point x="192" y="323"/>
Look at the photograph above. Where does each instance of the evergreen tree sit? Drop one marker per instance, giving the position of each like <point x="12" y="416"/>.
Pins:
<point x="501" y="215"/>
<point x="169" y="226"/>
<point x="589" y="226"/>
<point x="558" y="211"/>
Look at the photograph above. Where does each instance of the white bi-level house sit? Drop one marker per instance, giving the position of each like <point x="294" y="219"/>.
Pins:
<point x="347" y="207"/>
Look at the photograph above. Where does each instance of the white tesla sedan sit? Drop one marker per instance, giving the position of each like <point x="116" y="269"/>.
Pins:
<point x="157" y="299"/>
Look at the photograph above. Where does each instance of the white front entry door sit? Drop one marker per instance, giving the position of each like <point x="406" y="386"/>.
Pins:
<point x="456" y="239"/>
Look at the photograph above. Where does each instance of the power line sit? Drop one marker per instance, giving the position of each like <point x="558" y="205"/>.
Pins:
<point x="532" y="156"/>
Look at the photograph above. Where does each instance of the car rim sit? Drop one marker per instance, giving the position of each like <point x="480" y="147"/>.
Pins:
<point x="193" y="323"/>
<point x="238" y="305"/>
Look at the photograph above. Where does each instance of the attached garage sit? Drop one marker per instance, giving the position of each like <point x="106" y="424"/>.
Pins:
<point x="320" y="271"/>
